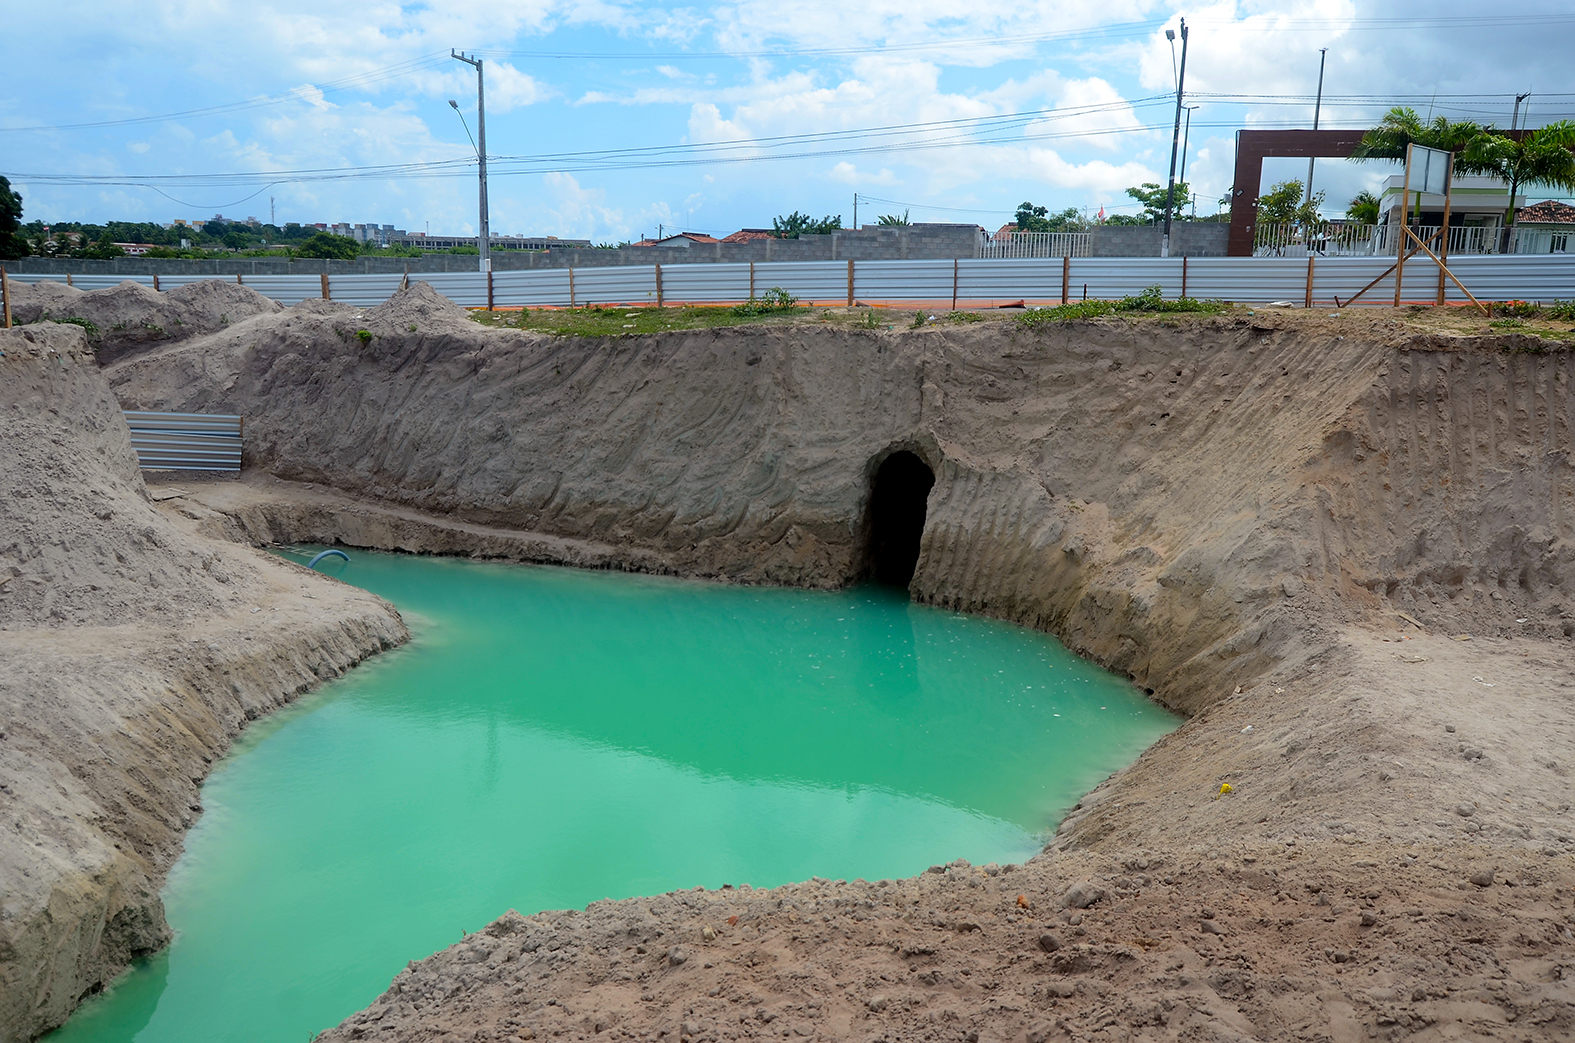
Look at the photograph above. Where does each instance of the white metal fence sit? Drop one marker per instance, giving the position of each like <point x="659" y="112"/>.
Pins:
<point x="1038" y="244"/>
<point x="937" y="283"/>
<point x="1343" y="240"/>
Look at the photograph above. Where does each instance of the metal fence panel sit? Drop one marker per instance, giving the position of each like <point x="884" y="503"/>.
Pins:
<point x="1009" y="279"/>
<point x="466" y="289"/>
<point x="366" y="291"/>
<point x="1112" y="277"/>
<point x="629" y="284"/>
<point x="930" y="280"/>
<point x="706" y="283"/>
<point x="286" y="289"/>
<point x="185" y="441"/>
<point x="806" y="280"/>
<point x="536" y="289"/>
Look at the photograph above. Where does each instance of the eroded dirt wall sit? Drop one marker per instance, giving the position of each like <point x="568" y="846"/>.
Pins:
<point x="1181" y="501"/>
<point x="132" y="650"/>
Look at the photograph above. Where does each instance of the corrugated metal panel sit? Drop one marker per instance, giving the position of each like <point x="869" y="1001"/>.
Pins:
<point x="806" y="280"/>
<point x="466" y="289"/>
<point x="366" y="291"/>
<point x="929" y="280"/>
<point x="631" y="284"/>
<point x="1013" y="279"/>
<point x="546" y="288"/>
<point x="706" y="283"/>
<point x="286" y="289"/>
<point x="185" y="441"/>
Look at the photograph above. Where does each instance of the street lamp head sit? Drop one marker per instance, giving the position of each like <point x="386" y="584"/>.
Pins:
<point x="453" y="104"/>
<point x="1170" y="34"/>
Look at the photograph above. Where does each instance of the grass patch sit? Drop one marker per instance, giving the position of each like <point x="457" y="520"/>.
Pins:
<point x="1150" y="300"/>
<point x="599" y="321"/>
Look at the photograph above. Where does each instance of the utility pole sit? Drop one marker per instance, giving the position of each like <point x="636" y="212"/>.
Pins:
<point x="855" y="211"/>
<point x="1323" y="54"/>
<point x="1514" y="121"/>
<point x="1186" y="138"/>
<point x="1175" y="136"/>
<point x="270" y="212"/>
<point x="485" y="239"/>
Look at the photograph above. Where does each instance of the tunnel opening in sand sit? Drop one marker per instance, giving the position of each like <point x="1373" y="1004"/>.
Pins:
<point x="899" y="496"/>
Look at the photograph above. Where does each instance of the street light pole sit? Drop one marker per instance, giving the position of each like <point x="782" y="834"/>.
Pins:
<point x="1323" y="55"/>
<point x="1175" y="137"/>
<point x="1186" y="138"/>
<point x="485" y="239"/>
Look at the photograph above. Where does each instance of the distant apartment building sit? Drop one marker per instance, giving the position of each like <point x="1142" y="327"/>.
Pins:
<point x="421" y="241"/>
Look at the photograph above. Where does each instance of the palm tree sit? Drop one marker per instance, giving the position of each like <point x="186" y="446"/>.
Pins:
<point x="1543" y="157"/>
<point x="1401" y="126"/>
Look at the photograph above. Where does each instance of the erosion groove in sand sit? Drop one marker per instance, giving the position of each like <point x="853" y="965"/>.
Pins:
<point x="132" y="657"/>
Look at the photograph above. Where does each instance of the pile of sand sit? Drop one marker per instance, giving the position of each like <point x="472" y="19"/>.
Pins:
<point x="133" y="647"/>
<point x="131" y="318"/>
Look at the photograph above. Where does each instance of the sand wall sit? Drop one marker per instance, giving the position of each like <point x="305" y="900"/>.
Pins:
<point x="132" y="650"/>
<point x="1186" y="502"/>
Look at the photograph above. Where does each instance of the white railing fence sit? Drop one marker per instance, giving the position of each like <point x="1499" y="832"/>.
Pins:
<point x="1038" y="244"/>
<point x="968" y="282"/>
<point x="1334" y="239"/>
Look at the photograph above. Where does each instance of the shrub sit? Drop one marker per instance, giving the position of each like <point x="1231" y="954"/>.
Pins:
<point x="1150" y="300"/>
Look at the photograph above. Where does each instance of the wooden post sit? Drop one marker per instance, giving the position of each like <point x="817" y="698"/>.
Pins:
<point x="751" y="280"/>
<point x="1443" y="247"/>
<point x="1183" y="276"/>
<point x="68" y="278"/>
<point x="1405" y="209"/>
<point x="850" y="282"/>
<point x="1066" y="279"/>
<point x="404" y="283"/>
<point x="155" y="282"/>
<point x="325" y="287"/>
<point x="489" y="289"/>
<point x="955" y="264"/>
<point x="658" y="285"/>
<point x="1308" y="303"/>
<point x="5" y="296"/>
<point x="571" y="287"/>
<point x="239" y="283"/>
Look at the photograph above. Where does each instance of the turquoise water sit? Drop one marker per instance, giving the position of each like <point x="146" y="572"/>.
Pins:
<point x="553" y="737"/>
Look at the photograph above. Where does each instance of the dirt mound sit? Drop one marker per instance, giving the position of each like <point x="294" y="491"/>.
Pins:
<point x="133" y="647"/>
<point x="131" y="318"/>
<point x="418" y="308"/>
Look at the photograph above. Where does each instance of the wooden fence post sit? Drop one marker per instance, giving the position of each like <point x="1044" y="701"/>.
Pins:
<point x="239" y="283"/>
<point x="1310" y="258"/>
<point x="5" y="296"/>
<point x="571" y="287"/>
<point x="68" y="278"/>
<point x="658" y="285"/>
<point x="155" y="282"/>
<point x="325" y="287"/>
<point x="955" y="264"/>
<point x="850" y="282"/>
<point x="1066" y="278"/>
<point x="1183" y="276"/>
<point x="489" y="289"/>
<point x="751" y="280"/>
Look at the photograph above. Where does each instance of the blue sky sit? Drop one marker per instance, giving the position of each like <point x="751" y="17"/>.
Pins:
<point x="736" y="111"/>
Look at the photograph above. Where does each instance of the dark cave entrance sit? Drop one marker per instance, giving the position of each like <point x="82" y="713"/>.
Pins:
<point x="896" y="518"/>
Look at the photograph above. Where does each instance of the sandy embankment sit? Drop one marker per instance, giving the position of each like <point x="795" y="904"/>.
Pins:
<point x="132" y="650"/>
<point x="1272" y="504"/>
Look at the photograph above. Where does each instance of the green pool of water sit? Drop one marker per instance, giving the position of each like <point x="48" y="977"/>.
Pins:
<point x="553" y="737"/>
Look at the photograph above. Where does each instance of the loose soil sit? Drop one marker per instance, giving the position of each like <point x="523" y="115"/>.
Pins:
<point x="1342" y="543"/>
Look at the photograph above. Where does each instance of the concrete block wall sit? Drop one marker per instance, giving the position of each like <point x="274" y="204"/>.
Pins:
<point x="1187" y="239"/>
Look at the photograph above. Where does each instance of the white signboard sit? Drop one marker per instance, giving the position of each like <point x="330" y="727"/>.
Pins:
<point x="1429" y="171"/>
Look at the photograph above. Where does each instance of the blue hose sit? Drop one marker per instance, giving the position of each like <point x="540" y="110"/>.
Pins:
<point x="313" y="563"/>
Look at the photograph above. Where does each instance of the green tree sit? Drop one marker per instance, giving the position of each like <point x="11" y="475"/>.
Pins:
<point x="328" y="245"/>
<point x="1152" y="197"/>
<point x="1363" y="208"/>
<point x="1031" y="218"/>
<point x="1282" y="205"/>
<point x="892" y="220"/>
<point x="104" y="249"/>
<point x="796" y="224"/>
<point x="12" y="245"/>
<point x="1542" y="157"/>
